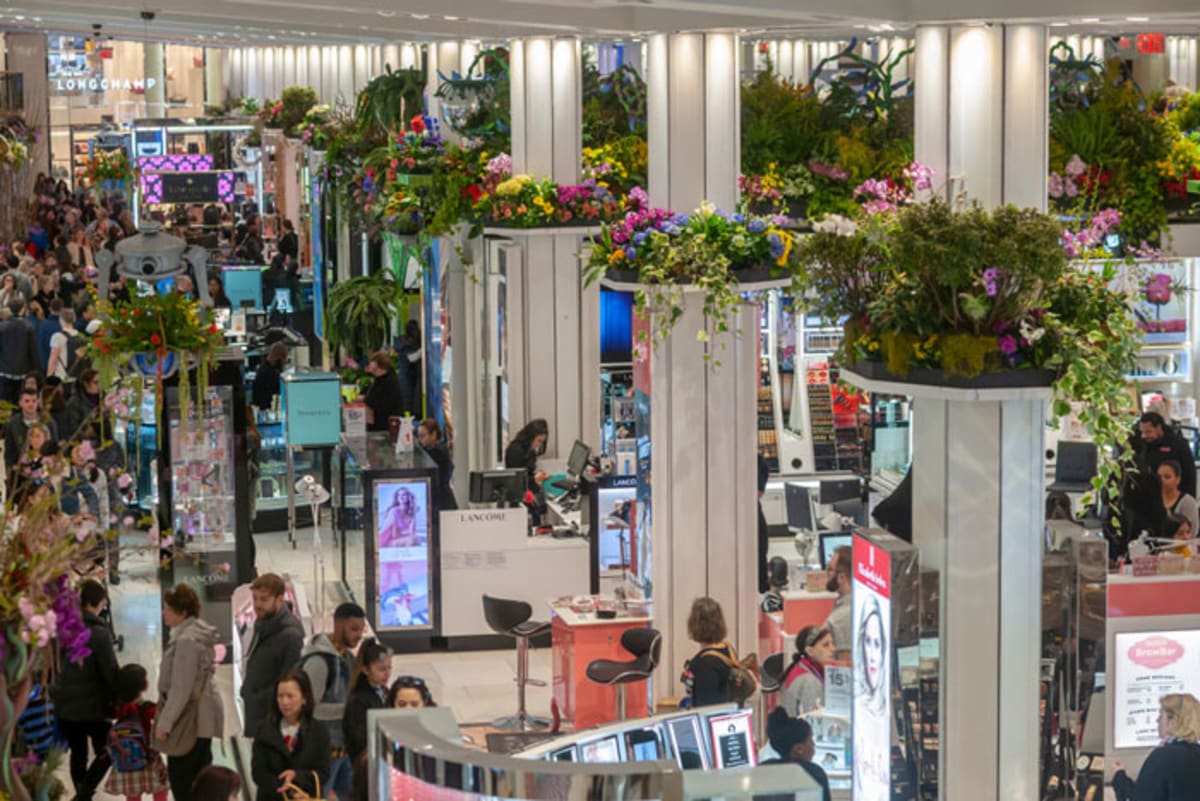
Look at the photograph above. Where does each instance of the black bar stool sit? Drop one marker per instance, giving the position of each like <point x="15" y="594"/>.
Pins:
<point x="513" y="619"/>
<point x="646" y="646"/>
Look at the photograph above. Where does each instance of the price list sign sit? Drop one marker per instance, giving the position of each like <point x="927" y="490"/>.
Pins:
<point x="1150" y="665"/>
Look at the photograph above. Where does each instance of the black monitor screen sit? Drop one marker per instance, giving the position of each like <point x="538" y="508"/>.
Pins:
<point x="840" y="489"/>
<point x="642" y="745"/>
<point x="503" y="487"/>
<point x="854" y="509"/>
<point x="799" y="507"/>
<point x="564" y="754"/>
<point x="577" y="461"/>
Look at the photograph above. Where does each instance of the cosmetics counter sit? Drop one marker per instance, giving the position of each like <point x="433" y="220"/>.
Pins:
<point x="419" y="754"/>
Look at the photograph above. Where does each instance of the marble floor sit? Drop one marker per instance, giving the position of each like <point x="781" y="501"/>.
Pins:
<point x="478" y="686"/>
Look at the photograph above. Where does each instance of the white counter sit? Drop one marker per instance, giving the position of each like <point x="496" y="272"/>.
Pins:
<point x="489" y="552"/>
<point x="572" y="618"/>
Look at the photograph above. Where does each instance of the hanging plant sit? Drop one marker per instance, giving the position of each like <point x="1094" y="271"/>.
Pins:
<point x="360" y="311"/>
<point x="390" y="98"/>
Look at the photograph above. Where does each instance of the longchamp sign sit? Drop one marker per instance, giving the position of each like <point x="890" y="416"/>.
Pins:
<point x="94" y="84"/>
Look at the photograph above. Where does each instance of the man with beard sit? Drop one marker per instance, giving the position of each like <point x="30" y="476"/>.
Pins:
<point x="838" y="621"/>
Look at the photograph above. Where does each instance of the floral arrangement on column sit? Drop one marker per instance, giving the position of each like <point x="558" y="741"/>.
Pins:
<point x="42" y="551"/>
<point x="719" y="253"/>
<point x="109" y="166"/>
<point x="947" y="292"/>
<point x="155" y="336"/>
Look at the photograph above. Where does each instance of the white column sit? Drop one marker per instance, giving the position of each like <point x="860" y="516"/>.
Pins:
<point x="344" y="74"/>
<point x="546" y="107"/>
<point x="442" y="57"/>
<point x="785" y="64"/>
<point x="980" y="459"/>
<point x="694" y="119"/>
<point x="155" y="70"/>
<point x="703" y="444"/>
<point x="410" y="55"/>
<point x="214" y="71"/>
<point x="26" y="54"/>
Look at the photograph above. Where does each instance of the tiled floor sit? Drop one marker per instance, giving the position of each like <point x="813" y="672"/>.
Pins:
<point x="478" y="686"/>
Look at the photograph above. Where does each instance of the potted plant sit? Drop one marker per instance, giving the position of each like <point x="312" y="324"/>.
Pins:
<point x="360" y="312"/>
<point x="390" y="98"/>
<point x="294" y="103"/>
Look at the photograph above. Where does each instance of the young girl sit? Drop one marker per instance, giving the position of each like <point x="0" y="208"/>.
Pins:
<point x="289" y="747"/>
<point x="137" y="768"/>
<point x="368" y="690"/>
<point x="409" y="692"/>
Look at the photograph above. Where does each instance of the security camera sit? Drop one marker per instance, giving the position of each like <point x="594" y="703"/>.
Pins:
<point x="148" y="16"/>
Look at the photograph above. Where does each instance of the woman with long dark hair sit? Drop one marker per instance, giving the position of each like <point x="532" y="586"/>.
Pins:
<point x="526" y="446"/>
<point x="290" y="749"/>
<point x="368" y="690"/>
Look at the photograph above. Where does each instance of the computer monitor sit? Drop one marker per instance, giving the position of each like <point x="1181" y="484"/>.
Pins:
<point x="855" y="509"/>
<point x="732" y="736"/>
<point x="282" y="301"/>
<point x="830" y="542"/>
<point x="687" y="741"/>
<point x="643" y="745"/>
<point x="578" y="460"/>
<point x="604" y="749"/>
<point x="222" y="317"/>
<point x="501" y="487"/>
<point x="800" y="513"/>
<point x="564" y="754"/>
<point x="833" y="490"/>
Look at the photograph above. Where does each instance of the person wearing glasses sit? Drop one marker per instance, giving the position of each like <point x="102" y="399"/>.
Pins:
<point x="804" y="680"/>
<point x="409" y="692"/>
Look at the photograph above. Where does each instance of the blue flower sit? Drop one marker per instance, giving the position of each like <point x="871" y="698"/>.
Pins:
<point x="639" y="237"/>
<point x="738" y="218"/>
<point x="631" y="253"/>
<point x="680" y="220"/>
<point x="672" y="230"/>
<point x="757" y="226"/>
<point x="776" y="244"/>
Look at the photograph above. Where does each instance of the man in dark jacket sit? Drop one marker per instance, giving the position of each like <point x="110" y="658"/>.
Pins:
<point x="18" y="350"/>
<point x="386" y="396"/>
<point x="274" y="649"/>
<point x="84" y="693"/>
<point x="1156" y="442"/>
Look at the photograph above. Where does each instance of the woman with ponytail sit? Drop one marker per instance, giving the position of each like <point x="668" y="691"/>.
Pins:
<point x="368" y="690"/>
<point x="804" y="679"/>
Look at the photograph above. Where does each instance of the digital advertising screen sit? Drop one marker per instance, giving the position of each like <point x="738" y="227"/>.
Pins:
<point x="402" y="524"/>
<point x="872" y="672"/>
<point x="1148" y="665"/>
<point x="733" y="740"/>
<point x="689" y="743"/>
<point x="606" y="749"/>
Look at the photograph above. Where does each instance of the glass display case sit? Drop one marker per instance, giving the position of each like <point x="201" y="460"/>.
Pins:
<point x="202" y="481"/>
<point x="141" y="452"/>
<point x="270" y="486"/>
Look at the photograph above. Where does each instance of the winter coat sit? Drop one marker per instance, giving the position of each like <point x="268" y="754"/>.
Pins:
<point x="1170" y="773"/>
<point x="85" y="691"/>
<point x="319" y="659"/>
<point x="354" y="722"/>
<point x="270" y="757"/>
<point x="274" y="649"/>
<point x="187" y="671"/>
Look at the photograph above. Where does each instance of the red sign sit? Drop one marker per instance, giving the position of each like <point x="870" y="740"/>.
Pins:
<point x="872" y="566"/>
<point x="1150" y="43"/>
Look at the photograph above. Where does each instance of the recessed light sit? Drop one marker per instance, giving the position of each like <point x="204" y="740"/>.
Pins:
<point x="1090" y="19"/>
<point x="419" y="16"/>
<point x="1058" y="24"/>
<point x="450" y="19"/>
<point x="1137" y="19"/>
<point x="383" y="13"/>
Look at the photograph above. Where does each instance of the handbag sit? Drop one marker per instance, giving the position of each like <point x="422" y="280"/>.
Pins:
<point x="181" y="739"/>
<point x="290" y="790"/>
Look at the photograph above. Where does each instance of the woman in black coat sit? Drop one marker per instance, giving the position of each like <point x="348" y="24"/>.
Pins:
<point x="290" y="747"/>
<point x="1172" y="771"/>
<point x="368" y="690"/>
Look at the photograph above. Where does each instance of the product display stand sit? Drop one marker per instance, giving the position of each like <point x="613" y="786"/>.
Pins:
<point x="309" y="490"/>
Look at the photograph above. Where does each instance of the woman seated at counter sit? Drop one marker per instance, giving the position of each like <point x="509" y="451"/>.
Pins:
<point x="1175" y="501"/>
<point x="804" y="679"/>
<point x="525" y="448"/>
<point x="1178" y="528"/>
<point x="792" y="739"/>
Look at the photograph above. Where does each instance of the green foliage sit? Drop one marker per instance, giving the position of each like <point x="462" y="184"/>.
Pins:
<point x="296" y="101"/>
<point x="360" y="311"/>
<point x="390" y="99"/>
<point x="614" y="105"/>
<point x="781" y="124"/>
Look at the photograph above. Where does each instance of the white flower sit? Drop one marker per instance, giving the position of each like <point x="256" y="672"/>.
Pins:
<point x="836" y="224"/>
<point x="706" y="209"/>
<point x="1031" y="334"/>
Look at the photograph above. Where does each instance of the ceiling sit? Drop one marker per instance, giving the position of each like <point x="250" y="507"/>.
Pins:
<point x="233" y="22"/>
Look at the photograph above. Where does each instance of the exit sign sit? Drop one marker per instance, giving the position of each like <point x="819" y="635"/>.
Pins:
<point x="1150" y="43"/>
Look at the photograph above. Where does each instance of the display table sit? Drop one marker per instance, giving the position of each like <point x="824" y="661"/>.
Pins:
<point x="490" y="552"/>
<point x="578" y="639"/>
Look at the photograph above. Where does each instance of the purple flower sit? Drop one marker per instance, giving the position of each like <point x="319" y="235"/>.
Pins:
<point x="1008" y="344"/>
<point x="756" y="226"/>
<point x="631" y="253"/>
<point x="1076" y="166"/>
<point x="1054" y="186"/>
<point x="991" y="279"/>
<point x="776" y="245"/>
<point x="1070" y="188"/>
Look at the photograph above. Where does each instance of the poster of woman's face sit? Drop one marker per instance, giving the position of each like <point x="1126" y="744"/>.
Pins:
<point x="872" y="707"/>
<point x="402" y="523"/>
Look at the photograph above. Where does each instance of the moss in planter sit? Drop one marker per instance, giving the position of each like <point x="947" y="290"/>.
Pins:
<point x="969" y="355"/>
<point x="898" y="351"/>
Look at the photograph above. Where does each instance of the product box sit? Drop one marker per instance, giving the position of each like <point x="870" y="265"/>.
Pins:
<point x="354" y="420"/>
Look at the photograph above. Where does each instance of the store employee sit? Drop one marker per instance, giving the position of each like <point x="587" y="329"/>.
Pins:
<point x="1155" y="442"/>
<point x="385" y="398"/>
<point x="525" y="448"/>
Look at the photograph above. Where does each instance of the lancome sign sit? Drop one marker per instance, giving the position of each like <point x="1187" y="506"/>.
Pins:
<point x="69" y="86"/>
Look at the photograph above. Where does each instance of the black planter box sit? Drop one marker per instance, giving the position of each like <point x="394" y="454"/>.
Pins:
<point x="935" y="377"/>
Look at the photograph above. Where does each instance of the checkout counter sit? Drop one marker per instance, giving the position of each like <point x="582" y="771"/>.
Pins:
<point x="415" y="754"/>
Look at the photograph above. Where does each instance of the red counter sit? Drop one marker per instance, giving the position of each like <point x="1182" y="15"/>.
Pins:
<point x="577" y="641"/>
<point x="802" y="608"/>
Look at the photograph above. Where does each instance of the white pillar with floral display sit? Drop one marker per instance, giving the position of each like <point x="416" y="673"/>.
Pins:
<point x="703" y="440"/>
<point x="978" y="478"/>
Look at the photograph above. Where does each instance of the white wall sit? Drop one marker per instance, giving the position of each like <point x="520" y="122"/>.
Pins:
<point x="336" y="73"/>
